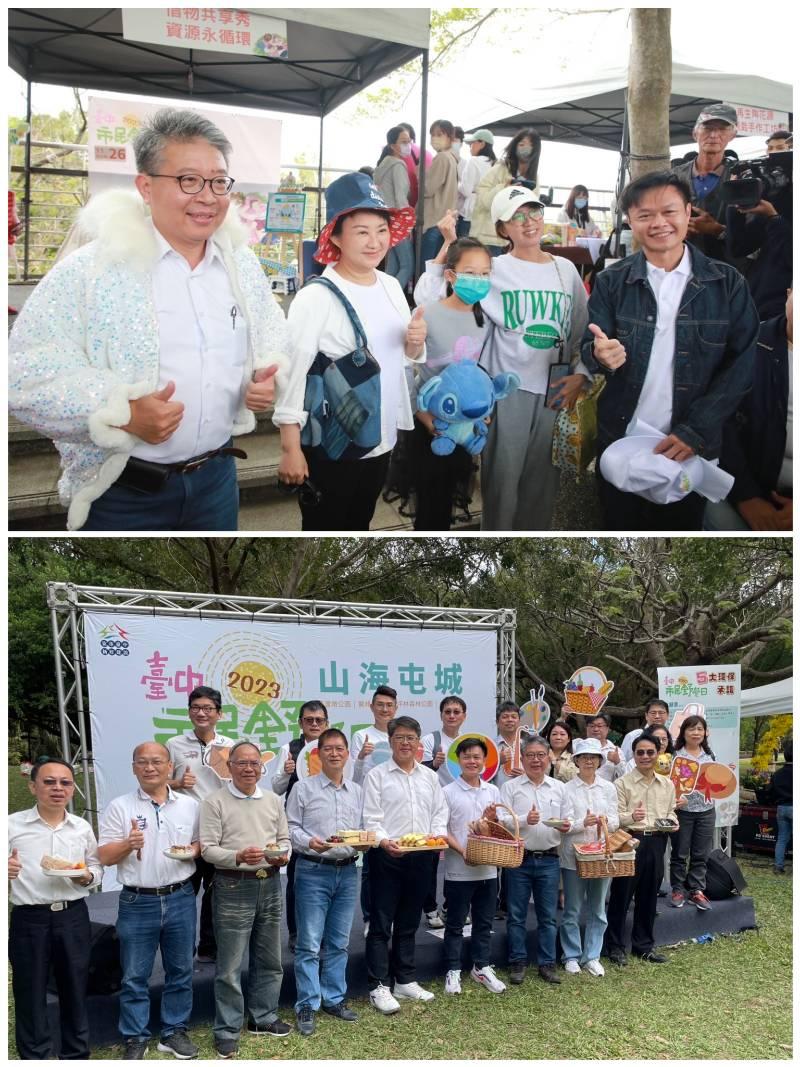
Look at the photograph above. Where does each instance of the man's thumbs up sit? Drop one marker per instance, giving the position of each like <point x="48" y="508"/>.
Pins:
<point x="260" y="393"/>
<point x="607" y="351"/>
<point x="14" y="865"/>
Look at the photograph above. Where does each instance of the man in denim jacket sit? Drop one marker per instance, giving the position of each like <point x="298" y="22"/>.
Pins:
<point x="674" y="333"/>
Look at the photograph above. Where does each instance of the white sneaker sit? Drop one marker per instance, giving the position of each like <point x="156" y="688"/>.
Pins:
<point x="434" y="920"/>
<point x="571" y="967"/>
<point x="594" y="967"/>
<point x="487" y="978"/>
<point x="411" y="991"/>
<point x="382" y="1000"/>
<point x="452" y="983"/>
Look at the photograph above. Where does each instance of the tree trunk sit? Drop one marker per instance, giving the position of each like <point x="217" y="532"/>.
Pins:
<point x="649" y="87"/>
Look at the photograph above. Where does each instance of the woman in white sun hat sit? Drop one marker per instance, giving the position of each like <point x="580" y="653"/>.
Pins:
<point x="589" y="797"/>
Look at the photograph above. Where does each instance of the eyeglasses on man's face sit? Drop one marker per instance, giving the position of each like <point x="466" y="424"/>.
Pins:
<point x="246" y="763"/>
<point x="405" y="739"/>
<point x="311" y="720"/>
<point x="65" y="783"/>
<point x="192" y="184"/>
<point x="206" y="709"/>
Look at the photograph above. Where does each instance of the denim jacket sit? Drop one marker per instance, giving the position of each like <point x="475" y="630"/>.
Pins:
<point x="715" y="339"/>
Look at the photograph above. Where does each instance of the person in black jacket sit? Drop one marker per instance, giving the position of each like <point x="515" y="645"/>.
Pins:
<point x="765" y="230"/>
<point x="782" y="795"/>
<point x="757" y="440"/>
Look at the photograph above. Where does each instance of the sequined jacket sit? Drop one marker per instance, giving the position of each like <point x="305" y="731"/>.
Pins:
<point x="86" y="343"/>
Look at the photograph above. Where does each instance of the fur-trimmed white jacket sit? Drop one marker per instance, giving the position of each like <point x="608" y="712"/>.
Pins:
<point x="86" y="342"/>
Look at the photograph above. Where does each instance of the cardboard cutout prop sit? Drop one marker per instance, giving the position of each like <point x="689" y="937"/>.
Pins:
<point x="586" y="691"/>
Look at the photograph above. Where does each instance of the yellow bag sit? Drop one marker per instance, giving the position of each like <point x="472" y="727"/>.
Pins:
<point x="575" y="431"/>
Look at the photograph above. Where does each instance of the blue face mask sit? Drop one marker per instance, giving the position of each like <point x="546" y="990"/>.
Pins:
<point x="581" y="202"/>
<point x="471" y="289"/>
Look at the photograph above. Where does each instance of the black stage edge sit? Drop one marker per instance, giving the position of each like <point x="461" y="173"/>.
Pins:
<point x="672" y="925"/>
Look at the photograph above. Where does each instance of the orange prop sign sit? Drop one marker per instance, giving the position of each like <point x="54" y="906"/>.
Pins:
<point x="684" y="775"/>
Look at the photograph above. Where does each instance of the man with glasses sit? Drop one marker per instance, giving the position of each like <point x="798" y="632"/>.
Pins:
<point x="143" y="352"/>
<point x="237" y="824"/>
<point x="656" y="713"/>
<point x="645" y="799"/>
<point x="536" y="799"/>
<point x="326" y="879"/>
<point x="157" y="908"/>
<point x="193" y="777"/>
<point x="400" y="797"/>
<point x="49" y="917"/>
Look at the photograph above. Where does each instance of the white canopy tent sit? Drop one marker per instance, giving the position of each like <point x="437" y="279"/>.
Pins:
<point x="772" y="699"/>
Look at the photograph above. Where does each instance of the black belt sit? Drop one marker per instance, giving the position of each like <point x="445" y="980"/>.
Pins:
<point x="157" y="891"/>
<point x="57" y="905"/>
<point x="546" y="852"/>
<point x="262" y="872"/>
<point x="150" y="477"/>
<point x="327" y="862"/>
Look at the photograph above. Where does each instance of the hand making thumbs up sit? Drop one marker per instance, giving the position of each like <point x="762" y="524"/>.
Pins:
<point x="589" y="819"/>
<point x="416" y="333"/>
<point x="607" y="351"/>
<point x="261" y="391"/>
<point x="14" y="865"/>
<point x="136" y="838"/>
<point x="533" y="816"/>
<point x="156" y="416"/>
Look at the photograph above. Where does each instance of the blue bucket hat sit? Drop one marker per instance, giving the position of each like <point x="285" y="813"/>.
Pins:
<point x="358" y="192"/>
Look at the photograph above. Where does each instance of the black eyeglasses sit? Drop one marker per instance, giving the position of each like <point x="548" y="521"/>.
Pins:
<point x="193" y="183"/>
<point x="65" y="783"/>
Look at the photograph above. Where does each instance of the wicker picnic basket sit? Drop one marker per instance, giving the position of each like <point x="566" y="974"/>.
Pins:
<point x="502" y="849"/>
<point x="604" y="864"/>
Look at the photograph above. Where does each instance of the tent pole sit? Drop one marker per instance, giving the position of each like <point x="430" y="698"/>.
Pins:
<point x="419" y="266"/>
<point x="27" y="195"/>
<point x="319" y="176"/>
<point x="624" y="149"/>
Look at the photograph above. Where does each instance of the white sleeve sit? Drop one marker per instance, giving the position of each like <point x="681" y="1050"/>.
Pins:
<point x="113" y="825"/>
<point x="431" y="286"/>
<point x="308" y="315"/>
<point x="280" y="779"/>
<point x="372" y="811"/>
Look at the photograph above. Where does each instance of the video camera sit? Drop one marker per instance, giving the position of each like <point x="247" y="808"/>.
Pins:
<point x="757" y="179"/>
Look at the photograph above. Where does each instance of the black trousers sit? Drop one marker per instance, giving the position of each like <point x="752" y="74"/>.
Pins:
<point x="436" y="478"/>
<point x="694" y="840"/>
<point x="350" y="491"/>
<point x="291" y="918"/>
<point x="642" y="888"/>
<point x="627" y="511"/>
<point x="481" y="896"/>
<point x="39" y="937"/>
<point x="397" y="890"/>
<point x="430" y="903"/>
<point x="204" y="876"/>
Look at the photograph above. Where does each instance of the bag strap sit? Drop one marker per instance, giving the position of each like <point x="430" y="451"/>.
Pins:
<point x="358" y="329"/>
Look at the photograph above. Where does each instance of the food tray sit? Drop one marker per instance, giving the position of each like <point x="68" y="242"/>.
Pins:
<point x="421" y="848"/>
<point x="361" y="846"/>
<point x="74" y="872"/>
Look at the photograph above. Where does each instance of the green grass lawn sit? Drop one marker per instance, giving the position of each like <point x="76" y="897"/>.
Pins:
<point x="727" y="1000"/>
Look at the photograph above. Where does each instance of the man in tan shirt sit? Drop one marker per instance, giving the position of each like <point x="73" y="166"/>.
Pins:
<point x="237" y="823"/>
<point x="644" y="799"/>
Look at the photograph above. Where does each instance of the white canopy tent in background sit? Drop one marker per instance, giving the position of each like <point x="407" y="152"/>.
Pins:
<point x="772" y="699"/>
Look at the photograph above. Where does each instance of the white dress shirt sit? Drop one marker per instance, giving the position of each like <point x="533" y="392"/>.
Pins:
<point x="655" y="400"/>
<point x="398" y="802"/>
<point x="73" y="839"/>
<point x="466" y="803"/>
<point x="549" y="799"/>
<point x="317" y="807"/>
<point x="176" y="822"/>
<point x="627" y="743"/>
<point x="202" y="348"/>
<point x="599" y="798"/>
<point x="361" y="767"/>
<point x="189" y="753"/>
<point x="608" y="770"/>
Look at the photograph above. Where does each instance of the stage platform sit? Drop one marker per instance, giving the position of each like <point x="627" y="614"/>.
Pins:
<point x="672" y="925"/>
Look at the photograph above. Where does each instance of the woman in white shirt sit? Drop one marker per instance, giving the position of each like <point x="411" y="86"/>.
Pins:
<point x="481" y="159"/>
<point x="576" y="211"/>
<point x="341" y="493"/>
<point x="589" y="797"/>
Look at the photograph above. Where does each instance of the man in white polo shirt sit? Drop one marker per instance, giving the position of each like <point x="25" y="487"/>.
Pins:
<point x="49" y="918"/>
<point x="157" y="906"/>
<point x="193" y="777"/>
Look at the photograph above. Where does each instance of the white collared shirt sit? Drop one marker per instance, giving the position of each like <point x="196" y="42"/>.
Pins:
<point x="362" y="767"/>
<point x="397" y="802"/>
<point x="549" y="798"/>
<point x="599" y="798"/>
<point x="655" y="400"/>
<point x="257" y="793"/>
<point x="465" y="804"/>
<point x="175" y="822"/>
<point x="73" y="839"/>
<point x="189" y="753"/>
<point x="202" y="348"/>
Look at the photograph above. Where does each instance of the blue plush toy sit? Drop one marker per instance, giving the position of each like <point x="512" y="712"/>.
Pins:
<point x="460" y="399"/>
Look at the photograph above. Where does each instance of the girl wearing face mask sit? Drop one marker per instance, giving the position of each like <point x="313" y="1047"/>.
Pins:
<point x="391" y="177"/>
<point x="456" y="330"/>
<point x="520" y="162"/>
<point x="576" y="210"/>
<point x="441" y="186"/>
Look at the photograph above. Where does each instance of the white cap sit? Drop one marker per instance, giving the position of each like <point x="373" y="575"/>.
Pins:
<point x="588" y="746"/>
<point x="631" y="465"/>
<point x="509" y="199"/>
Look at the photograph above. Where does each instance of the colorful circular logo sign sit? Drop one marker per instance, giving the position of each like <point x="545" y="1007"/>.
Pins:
<point x="492" y="759"/>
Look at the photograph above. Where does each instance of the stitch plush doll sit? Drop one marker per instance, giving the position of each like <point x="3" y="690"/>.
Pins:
<point x="460" y="399"/>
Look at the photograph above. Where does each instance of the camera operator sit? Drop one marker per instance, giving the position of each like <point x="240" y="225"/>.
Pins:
<point x="780" y="141"/>
<point x="714" y="129"/>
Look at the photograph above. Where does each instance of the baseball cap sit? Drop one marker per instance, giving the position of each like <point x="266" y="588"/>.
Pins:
<point x="717" y="113"/>
<point x="631" y="465"/>
<point x="480" y="135"/>
<point x="509" y="199"/>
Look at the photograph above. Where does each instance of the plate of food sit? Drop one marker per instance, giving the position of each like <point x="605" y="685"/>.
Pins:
<point x="360" y="840"/>
<point x="273" y="851"/>
<point x="55" y="867"/>
<point x="179" y="852"/>
<point x="555" y="824"/>
<point x="421" y="843"/>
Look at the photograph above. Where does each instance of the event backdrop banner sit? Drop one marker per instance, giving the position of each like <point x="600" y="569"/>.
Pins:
<point x="141" y="670"/>
<point x="718" y="690"/>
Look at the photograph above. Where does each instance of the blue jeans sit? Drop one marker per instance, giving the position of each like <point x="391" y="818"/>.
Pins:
<point x="784" y="834"/>
<point x="247" y="916"/>
<point x="325" y="899"/>
<point x="205" y="499"/>
<point x="144" y="924"/>
<point x="576" y="891"/>
<point x="400" y="262"/>
<point x="538" y="875"/>
<point x="432" y="241"/>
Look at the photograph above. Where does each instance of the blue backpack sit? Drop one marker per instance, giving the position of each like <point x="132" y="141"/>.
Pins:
<point x="343" y="396"/>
